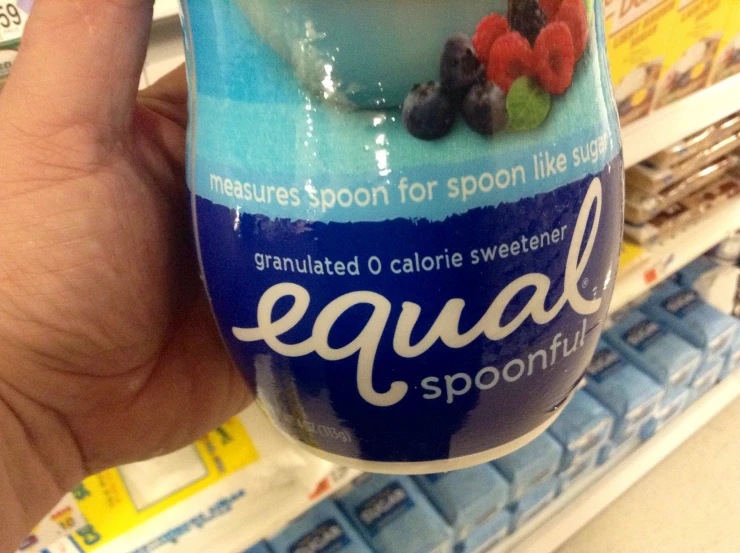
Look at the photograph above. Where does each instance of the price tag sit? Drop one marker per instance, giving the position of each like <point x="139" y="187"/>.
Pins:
<point x="12" y="21"/>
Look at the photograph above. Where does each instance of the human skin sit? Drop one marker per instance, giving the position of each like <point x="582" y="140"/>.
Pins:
<point x="108" y="350"/>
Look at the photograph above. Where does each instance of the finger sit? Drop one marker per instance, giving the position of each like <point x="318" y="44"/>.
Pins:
<point x="80" y="62"/>
<point x="169" y="96"/>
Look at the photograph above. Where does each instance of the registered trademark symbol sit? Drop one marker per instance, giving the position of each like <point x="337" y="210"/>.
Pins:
<point x="584" y="284"/>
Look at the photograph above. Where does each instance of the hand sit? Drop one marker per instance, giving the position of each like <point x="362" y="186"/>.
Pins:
<point x="108" y="350"/>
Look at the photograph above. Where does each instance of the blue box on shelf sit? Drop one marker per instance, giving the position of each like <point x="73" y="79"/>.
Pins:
<point x="708" y="375"/>
<point x="673" y="404"/>
<point x="486" y="534"/>
<point x="466" y="497"/>
<point x="631" y="395"/>
<point x="732" y="358"/>
<point x="652" y="348"/>
<point x="685" y="313"/>
<point x="393" y="514"/>
<point x="531" y="465"/>
<point x="533" y="502"/>
<point x="580" y="468"/>
<point x="323" y="527"/>
<point x="583" y="427"/>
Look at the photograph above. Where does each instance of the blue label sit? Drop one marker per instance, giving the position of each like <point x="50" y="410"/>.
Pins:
<point x="417" y="339"/>
<point x="682" y="303"/>
<point x="384" y="507"/>
<point x="643" y="335"/>
<point x="328" y="537"/>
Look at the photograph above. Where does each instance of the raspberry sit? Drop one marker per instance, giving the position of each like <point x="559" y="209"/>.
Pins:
<point x="526" y="17"/>
<point x="488" y="31"/>
<point x="511" y="57"/>
<point x="573" y="14"/>
<point x="554" y="57"/>
<point x="551" y="8"/>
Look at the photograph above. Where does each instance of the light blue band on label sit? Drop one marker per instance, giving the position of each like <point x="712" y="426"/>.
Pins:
<point x="427" y="192"/>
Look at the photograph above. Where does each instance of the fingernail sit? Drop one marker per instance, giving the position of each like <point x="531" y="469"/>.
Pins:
<point x="25" y="5"/>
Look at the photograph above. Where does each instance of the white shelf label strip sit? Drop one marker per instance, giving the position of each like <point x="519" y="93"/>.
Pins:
<point x="12" y="20"/>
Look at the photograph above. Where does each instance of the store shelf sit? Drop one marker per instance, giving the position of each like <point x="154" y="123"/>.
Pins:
<point x="670" y="124"/>
<point x="164" y="9"/>
<point x="585" y="500"/>
<point x="666" y="257"/>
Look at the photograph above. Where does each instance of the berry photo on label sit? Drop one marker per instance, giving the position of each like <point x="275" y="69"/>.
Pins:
<point x="484" y="109"/>
<point x="428" y="113"/>
<point x="528" y="104"/>
<point x="555" y="58"/>
<point x="573" y="14"/>
<point x="511" y="57"/>
<point x="490" y="29"/>
<point x="460" y="67"/>
<point x="526" y="17"/>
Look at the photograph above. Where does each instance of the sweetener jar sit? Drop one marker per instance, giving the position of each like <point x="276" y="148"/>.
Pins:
<point x="408" y="215"/>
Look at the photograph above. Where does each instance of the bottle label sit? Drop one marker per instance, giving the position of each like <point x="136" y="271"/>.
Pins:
<point x="643" y="335"/>
<point x="395" y="298"/>
<point x="604" y="363"/>
<point x="385" y="506"/>
<point x="327" y="537"/>
<point x="682" y="303"/>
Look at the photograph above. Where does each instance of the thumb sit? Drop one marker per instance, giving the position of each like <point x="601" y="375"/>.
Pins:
<point x="79" y="63"/>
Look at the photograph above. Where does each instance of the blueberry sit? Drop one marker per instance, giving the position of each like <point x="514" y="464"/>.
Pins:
<point x="460" y="67"/>
<point x="428" y="113"/>
<point x="484" y="109"/>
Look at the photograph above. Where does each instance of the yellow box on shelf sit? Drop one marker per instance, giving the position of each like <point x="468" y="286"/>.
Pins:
<point x="120" y="499"/>
<point x="727" y="61"/>
<point x="696" y="28"/>
<point x="637" y="34"/>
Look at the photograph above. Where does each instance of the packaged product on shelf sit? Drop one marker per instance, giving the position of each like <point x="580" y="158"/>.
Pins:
<point x="8" y="53"/>
<point x="696" y="30"/>
<point x="728" y="126"/>
<point x="686" y="314"/>
<point x="673" y="404"/>
<point x="732" y="360"/>
<point x="654" y="180"/>
<point x="466" y="497"/>
<point x="261" y="547"/>
<point x="323" y="528"/>
<point x="641" y="206"/>
<point x="531" y="503"/>
<point x="688" y="147"/>
<point x="637" y="35"/>
<point x="487" y="533"/>
<point x="580" y="468"/>
<point x="681" y="214"/>
<point x="188" y="497"/>
<point x="727" y="62"/>
<point x="707" y="375"/>
<point x="717" y="283"/>
<point x="583" y="427"/>
<point x="531" y="465"/>
<point x="646" y="342"/>
<point x="631" y="395"/>
<point x="393" y="514"/>
<point x="728" y="251"/>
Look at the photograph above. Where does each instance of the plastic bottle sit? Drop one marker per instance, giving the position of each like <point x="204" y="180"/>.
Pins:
<point x="414" y="276"/>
